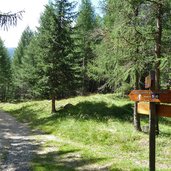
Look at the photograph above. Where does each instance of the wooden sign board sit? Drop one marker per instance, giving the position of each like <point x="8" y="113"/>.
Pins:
<point x="162" y="110"/>
<point x="161" y="96"/>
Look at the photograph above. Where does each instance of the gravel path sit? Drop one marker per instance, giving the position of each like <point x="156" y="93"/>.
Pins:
<point x="16" y="144"/>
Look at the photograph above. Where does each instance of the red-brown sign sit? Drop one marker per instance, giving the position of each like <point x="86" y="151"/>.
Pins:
<point x="161" y="110"/>
<point x="162" y="96"/>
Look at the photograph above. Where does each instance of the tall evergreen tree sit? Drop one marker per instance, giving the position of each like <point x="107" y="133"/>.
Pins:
<point x="121" y="52"/>
<point x="29" y="70"/>
<point x="159" y="13"/>
<point x="5" y="72"/>
<point x="56" y="44"/>
<point x="135" y="42"/>
<point x="17" y="63"/>
<point x="86" y="23"/>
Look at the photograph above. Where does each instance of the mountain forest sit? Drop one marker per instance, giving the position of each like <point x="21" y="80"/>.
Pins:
<point x="64" y="92"/>
<point x="79" y="52"/>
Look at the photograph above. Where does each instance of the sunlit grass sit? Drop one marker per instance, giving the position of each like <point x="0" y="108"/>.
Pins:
<point x="95" y="131"/>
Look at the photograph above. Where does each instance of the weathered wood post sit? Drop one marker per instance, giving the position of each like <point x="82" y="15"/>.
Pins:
<point x="152" y="126"/>
<point x="153" y="108"/>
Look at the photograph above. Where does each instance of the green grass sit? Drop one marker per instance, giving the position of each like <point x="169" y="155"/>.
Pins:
<point x="94" y="131"/>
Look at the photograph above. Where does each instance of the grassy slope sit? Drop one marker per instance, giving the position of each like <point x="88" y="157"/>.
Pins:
<point x="95" y="132"/>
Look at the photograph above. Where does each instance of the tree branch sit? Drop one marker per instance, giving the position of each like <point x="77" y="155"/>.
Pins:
<point x="10" y="19"/>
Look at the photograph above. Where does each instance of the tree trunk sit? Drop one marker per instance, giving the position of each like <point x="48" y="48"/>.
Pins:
<point x="53" y="104"/>
<point x="158" y="51"/>
<point x="137" y="123"/>
<point x="83" y="78"/>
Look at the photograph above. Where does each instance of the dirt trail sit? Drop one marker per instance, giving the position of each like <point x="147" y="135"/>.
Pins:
<point x="16" y="144"/>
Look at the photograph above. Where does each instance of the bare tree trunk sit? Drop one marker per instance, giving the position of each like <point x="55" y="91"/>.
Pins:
<point x="137" y="123"/>
<point x="53" y="104"/>
<point x="83" y="79"/>
<point x="158" y="51"/>
<point x="158" y="44"/>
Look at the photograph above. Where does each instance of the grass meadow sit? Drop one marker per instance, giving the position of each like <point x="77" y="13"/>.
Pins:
<point x="92" y="133"/>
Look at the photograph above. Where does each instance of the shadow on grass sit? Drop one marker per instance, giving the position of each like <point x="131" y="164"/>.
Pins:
<point x="67" y="160"/>
<point x="95" y="111"/>
<point x="165" y="121"/>
<point x="99" y="111"/>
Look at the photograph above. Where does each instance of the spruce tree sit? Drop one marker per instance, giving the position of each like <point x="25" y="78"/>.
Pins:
<point x="56" y="45"/>
<point x="29" y="69"/>
<point x="86" y="23"/>
<point x="19" y="85"/>
<point x="5" y="72"/>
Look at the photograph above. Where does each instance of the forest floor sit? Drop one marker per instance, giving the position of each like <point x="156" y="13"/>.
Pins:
<point x="86" y="133"/>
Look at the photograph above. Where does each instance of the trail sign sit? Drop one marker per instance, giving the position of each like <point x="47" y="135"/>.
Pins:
<point x="161" y="96"/>
<point x="161" y="110"/>
<point x="153" y="109"/>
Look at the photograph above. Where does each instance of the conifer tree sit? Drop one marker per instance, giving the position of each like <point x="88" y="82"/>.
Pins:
<point x="29" y="69"/>
<point x="56" y="45"/>
<point x="5" y="72"/>
<point x="135" y="42"/>
<point x="86" y="23"/>
<point x="17" y="63"/>
<point x="122" y="47"/>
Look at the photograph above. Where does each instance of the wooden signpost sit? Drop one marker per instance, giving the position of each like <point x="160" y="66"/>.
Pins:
<point x="161" y="109"/>
<point x="157" y="96"/>
<point x="149" y="104"/>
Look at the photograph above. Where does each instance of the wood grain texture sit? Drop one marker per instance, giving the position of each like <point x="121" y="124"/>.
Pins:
<point x="158" y="96"/>
<point x="161" y="110"/>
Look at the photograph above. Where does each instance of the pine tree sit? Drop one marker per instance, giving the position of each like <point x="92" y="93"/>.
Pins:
<point x="5" y="72"/>
<point x="121" y="52"/>
<point x="19" y="85"/>
<point x="134" y="42"/>
<point x="29" y="70"/>
<point x="56" y="45"/>
<point x="86" y="23"/>
<point x="160" y="12"/>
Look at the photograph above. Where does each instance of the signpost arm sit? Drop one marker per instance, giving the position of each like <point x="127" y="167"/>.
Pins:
<point x="152" y="126"/>
<point x="153" y="108"/>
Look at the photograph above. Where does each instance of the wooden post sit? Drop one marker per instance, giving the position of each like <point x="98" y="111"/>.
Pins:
<point x="152" y="126"/>
<point x="152" y="136"/>
<point x="153" y="108"/>
<point x="137" y="123"/>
